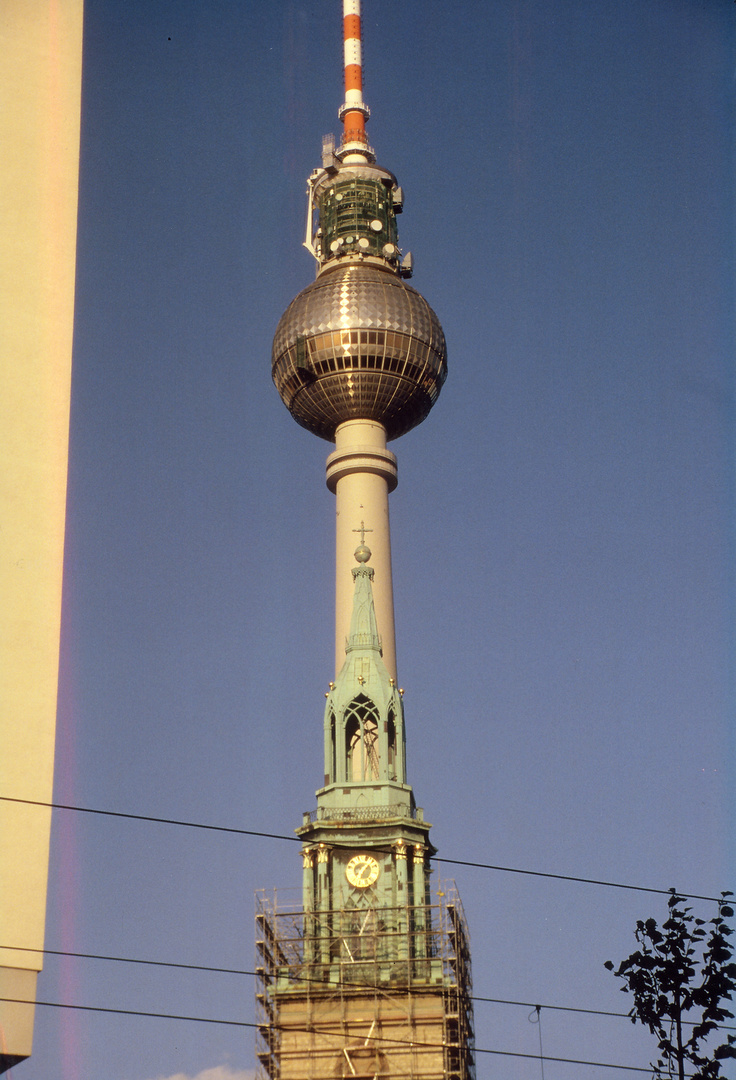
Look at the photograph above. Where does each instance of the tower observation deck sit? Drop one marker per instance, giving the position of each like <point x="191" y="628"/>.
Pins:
<point x="367" y="972"/>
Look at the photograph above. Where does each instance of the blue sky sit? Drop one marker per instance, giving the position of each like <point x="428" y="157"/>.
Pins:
<point x="562" y="530"/>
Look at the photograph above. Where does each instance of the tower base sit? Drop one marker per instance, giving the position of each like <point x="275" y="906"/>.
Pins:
<point x="367" y="1002"/>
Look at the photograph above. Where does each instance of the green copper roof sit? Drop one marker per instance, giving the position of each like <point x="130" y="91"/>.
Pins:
<point x="363" y="629"/>
<point x="364" y="717"/>
<point x="364" y="673"/>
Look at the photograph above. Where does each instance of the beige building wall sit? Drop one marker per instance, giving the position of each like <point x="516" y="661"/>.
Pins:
<point x="40" y="88"/>
<point x="389" y="1034"/>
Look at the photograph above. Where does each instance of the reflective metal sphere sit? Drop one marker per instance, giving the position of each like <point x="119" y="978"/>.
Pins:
<point x="359" y="344"/>
<point x="362" y="553"/>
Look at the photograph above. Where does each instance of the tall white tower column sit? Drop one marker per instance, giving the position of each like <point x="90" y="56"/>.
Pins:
<point x="40" y="87"/>
<point x="361" y="472"/>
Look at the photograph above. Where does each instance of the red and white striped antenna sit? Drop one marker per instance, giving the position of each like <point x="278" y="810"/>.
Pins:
<point x="354" y="112"/>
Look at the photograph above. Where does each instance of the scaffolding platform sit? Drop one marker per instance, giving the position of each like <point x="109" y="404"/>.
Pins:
<point x="364" y="991"/>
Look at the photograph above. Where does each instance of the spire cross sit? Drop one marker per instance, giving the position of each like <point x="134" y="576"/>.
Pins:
<point x="362" y="530"/>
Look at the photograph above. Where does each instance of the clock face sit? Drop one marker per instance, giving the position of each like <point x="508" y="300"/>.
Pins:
<point x="362" y="871"/>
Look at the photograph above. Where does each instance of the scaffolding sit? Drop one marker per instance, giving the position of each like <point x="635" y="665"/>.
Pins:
<point x="364" y="991"/>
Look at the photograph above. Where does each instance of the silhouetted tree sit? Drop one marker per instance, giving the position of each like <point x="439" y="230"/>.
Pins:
<point x="680" y="977"/>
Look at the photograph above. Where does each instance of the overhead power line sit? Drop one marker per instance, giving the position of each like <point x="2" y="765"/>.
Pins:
<point x="148" y="817"/>
<point x="302" y="978"/>
<point x="295" y="839"/>
<point x="374" y="1038"/>
<point x="298" y="978"/>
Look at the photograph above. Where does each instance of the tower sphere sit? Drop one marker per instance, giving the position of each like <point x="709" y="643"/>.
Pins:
<point x="359" y="344"/>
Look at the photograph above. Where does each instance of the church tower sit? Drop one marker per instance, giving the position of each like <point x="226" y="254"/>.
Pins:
<point x="367" y="975"/>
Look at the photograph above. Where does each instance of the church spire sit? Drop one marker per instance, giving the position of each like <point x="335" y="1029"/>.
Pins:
<point x="366" y="812"/>
<point x="364" y="716"/>
<point x="363" y="629"/>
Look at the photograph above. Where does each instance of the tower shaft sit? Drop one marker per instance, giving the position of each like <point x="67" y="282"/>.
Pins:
<point x="361" y="472"/>
<point x="40" y="89"/>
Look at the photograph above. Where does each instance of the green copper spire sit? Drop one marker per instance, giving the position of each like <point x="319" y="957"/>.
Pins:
<point x="366" y="825"/>
<point x="364" y="716"/>
<point x="363" y="630"/>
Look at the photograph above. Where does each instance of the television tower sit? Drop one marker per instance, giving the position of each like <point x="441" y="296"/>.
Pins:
<point x="368" y="974"/>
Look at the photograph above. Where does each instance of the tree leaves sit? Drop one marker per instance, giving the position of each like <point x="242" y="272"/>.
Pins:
<point x="680" y="977"/>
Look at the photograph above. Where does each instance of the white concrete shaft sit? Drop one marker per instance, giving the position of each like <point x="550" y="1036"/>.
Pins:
<point x="40" y="88"/>
<point x="361" y="472"/>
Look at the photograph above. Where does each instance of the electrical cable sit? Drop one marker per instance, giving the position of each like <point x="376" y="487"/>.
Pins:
<point x="537" y="1011"/>
<point x="293" y="839"/>
<point x="377" y="1039"/>
<point x="296" y="839"/>
<point x="306" y="979"/>
<point x="148" y="817"/>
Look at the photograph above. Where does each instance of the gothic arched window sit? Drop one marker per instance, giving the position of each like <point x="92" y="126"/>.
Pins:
<point x="333" y="748"/>
<point x="391" y="736"/>
<point x="361" y="740"/>
<point x="352" y="747"/>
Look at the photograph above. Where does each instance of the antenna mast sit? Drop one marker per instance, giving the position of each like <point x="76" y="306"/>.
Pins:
<point x="354" y="112"/>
